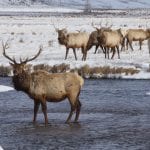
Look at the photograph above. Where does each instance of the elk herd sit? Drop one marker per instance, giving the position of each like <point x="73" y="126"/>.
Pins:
<point x="42" y="86"/>
<point x="108" y="39"/>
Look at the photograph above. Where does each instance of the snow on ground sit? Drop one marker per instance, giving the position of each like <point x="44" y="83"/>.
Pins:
<point x="26" y="34"/>
<point x="4" y="88"/>
<point x="39" y="9"/>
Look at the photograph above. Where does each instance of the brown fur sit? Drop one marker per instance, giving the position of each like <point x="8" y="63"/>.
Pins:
<point x="73" y="40"/>
<point x="110" y="39"/>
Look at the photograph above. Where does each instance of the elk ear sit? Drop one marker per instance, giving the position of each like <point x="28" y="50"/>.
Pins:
<point x="64" y="30"/>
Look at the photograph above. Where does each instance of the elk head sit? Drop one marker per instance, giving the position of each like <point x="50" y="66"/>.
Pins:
<point x="19" y="68"/>
<point x="62" y="34"/>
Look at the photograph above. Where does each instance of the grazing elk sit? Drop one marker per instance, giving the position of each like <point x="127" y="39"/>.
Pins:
<point x="42" y="86"/>
<point x="73" y="40"/>
<point x="110" y="39"/>
<point x="137" y="35"/>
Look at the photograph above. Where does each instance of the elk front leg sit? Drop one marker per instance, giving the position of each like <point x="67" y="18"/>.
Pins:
<point x="130" y="43"/>
<point x="74" y="51"/>
<point x="118" y="52"/>
<point x="44" y="110"/>
<point x="36" y="108"/>
<point x="96" y="48"/>
<point x="67" y="50"/>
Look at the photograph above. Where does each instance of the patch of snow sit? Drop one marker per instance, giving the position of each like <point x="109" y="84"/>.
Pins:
<point x="147" y="93"/>
<point x="4" y="88"/>
<point x="26" y="34"/>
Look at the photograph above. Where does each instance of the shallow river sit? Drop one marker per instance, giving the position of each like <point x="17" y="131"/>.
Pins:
<point x="115" y="115"/>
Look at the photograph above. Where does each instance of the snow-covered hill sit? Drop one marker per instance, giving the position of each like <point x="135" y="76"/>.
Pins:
<point x="110" y="4"/>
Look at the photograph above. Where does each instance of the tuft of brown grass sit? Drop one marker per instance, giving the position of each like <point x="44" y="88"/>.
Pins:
<point x="42" y="67"/>
<point x="60" y="68"/>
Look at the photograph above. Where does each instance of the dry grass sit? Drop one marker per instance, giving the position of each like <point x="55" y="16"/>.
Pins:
<point x="53" y="69"/>
<point x="85" y="71"/>
<point x="42" y="67"/>
<point x="105" y="71"/>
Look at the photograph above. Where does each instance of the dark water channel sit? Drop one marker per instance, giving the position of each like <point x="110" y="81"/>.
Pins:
<point x="115" y="116"/>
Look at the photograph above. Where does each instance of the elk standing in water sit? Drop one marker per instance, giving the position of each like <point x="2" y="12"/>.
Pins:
<point x="42" y="86"/>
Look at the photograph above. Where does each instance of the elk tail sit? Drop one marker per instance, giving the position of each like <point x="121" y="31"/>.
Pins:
<point x="81" y="80"/>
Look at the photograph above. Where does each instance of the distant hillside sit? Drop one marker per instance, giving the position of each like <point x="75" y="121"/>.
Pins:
<point x="110" y="4"/>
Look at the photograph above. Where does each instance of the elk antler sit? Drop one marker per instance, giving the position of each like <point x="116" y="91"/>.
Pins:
<point x="56" y="29"/>
<point x="5" y="46"/>
<point x="27" y="60"/>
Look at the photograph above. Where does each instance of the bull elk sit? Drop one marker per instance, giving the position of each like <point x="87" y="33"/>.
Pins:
<point x="42" y="86"/>
<point x="73" y="40"/>
<point x="137" y="35"/>
<point x="93" y="37"/>
<point x="93" y="41"/>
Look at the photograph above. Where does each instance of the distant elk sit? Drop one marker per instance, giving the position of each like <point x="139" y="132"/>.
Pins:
<point x="137" y="35"/>
<point x="73" y="40"/>
<point x="110" y="40"/>
<point x="42" y="86"/>
<point x="93" y="37"/>
<point x="93" y="42"/>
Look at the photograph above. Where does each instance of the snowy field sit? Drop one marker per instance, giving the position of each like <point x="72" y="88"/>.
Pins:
<point x="26" y="34"/>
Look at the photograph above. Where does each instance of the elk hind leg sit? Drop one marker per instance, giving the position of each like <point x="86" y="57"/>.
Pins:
<point x="78" y="108"/>
<point x="44" y="110"/>
<point x="72" y="100"/>
<point x="67" y="50"/>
